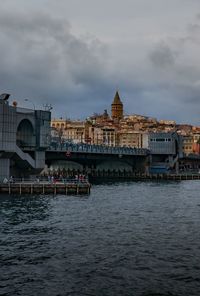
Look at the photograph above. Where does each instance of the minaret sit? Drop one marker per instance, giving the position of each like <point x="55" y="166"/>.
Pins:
<point x="117" y="108"/>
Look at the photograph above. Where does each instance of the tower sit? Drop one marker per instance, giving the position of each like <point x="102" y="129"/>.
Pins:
<point x="117" y="108"/>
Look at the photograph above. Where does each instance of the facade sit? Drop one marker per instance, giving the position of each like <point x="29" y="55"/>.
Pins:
<point x="109" y="136"/>
<point x="165" y="143"/>
<point x="68" y="130"/>
<point x="196" y="137"/>
<point x="74" y="132"/>
<point x="196" y="148"/>
<point x="103" y="135"/>
<point x="131" y="138"/>
<point x="59" y="123"/>
<point x="188" y="142"/>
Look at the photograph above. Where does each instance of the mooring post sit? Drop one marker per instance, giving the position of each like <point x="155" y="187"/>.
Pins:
<point x="9" y="189"/>
<point x="20" y="188"/>
<point x="66" y="189"/>
<point x="43" y="189"/>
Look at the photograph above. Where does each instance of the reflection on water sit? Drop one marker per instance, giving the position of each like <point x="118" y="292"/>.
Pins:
<point x="135" y="238"/>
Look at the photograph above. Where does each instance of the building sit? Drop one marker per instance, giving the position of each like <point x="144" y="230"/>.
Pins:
<point x="130" y="138"/>
<point x="188" y="142"/>
<point x="74" y="132"/>
<point x="68" y="130"/>
<point x="165" y="143"/>
<point x="117" y="108"/>
<point x="196" y="141"/>
<point x="59" y="123"/>
<point x="103" y="135"/>
<point x="24" y="137"/>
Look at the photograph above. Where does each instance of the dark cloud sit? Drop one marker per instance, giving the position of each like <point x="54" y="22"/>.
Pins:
<point x="162" y="55"/>
<point x="176" y="72"/>
<point x="42" y="59"/>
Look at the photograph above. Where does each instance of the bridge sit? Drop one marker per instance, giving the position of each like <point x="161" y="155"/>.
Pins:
<point x="163" y="154"/>
<point x="97" y="157"/>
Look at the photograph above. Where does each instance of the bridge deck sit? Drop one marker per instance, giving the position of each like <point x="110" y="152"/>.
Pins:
<point x="96" y="149"/>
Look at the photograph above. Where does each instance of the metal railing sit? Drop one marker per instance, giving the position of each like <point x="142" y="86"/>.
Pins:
<point x="47" y="180"/>
<point x="96" y="149"/>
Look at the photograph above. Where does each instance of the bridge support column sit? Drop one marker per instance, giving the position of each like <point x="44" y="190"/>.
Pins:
<point x="40" y="159"/>
<point x="177" y="167"/>
<point x="4" y="168"/>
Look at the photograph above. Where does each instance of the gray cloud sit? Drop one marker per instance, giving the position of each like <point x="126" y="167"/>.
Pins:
<point x="156" y="68"/>
<point x="41" y="57"/>
<point x="162" y="55"/>
<point x="176" y="69"/>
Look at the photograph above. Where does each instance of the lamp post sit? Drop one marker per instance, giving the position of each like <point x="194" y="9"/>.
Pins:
<point x="27" y="100"/>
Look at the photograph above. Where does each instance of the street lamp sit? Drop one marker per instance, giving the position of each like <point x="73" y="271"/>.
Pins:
<point x="27" y="100"/>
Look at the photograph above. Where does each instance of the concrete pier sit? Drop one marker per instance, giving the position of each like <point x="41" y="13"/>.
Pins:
<point x="45" y="188"/>
<point x="142" y="177"/>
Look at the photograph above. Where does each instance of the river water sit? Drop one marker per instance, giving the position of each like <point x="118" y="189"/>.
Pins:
<point x="135" y="238"/>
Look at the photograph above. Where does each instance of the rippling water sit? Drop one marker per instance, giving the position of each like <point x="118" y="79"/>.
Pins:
<point x="140" y="238"/>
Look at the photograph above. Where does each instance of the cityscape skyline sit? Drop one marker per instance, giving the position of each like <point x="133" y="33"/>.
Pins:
<point x="109" y="110"/>
<point x="65" y="55"/>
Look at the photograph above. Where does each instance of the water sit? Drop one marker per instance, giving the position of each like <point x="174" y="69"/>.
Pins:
<point x="140" y="238"/>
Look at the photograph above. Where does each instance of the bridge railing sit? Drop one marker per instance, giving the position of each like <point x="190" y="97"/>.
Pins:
<point x="98" y="149"/>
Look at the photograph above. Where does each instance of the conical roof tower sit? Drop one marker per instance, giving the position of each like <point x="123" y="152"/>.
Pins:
<point x="117" y="107"/>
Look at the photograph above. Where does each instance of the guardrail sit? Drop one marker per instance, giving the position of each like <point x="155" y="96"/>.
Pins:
<point x="47" y="180"/>
<point x="97" y="149"/>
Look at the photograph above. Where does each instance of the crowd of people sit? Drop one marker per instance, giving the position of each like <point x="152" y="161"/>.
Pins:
<point x="52" y="179"/>
<point x="81" y="178"/>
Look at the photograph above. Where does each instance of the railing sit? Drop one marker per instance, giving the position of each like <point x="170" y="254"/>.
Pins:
<point x="191" y="156"/>
<point x="96" y="149"/>
<point x="46" y="180"/>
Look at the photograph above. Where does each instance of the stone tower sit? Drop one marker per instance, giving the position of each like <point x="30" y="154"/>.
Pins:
<point x="117" y="108"/>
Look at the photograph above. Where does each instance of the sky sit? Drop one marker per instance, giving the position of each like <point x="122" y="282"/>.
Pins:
<point x="75" y="54"/>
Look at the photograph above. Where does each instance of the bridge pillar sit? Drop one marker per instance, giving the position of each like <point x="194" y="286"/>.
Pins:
<point x="40" y="159"/>
<point x="4" y="168"/>
<point x="177" y="167"/>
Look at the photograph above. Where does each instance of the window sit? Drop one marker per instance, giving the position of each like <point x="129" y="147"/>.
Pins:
<point x="160" y="140"/>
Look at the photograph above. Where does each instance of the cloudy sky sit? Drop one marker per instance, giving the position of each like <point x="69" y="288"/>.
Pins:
<point x="75" y="54"/>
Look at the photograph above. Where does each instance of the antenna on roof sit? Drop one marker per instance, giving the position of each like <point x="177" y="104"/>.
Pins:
<point x="47" y="107"/>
